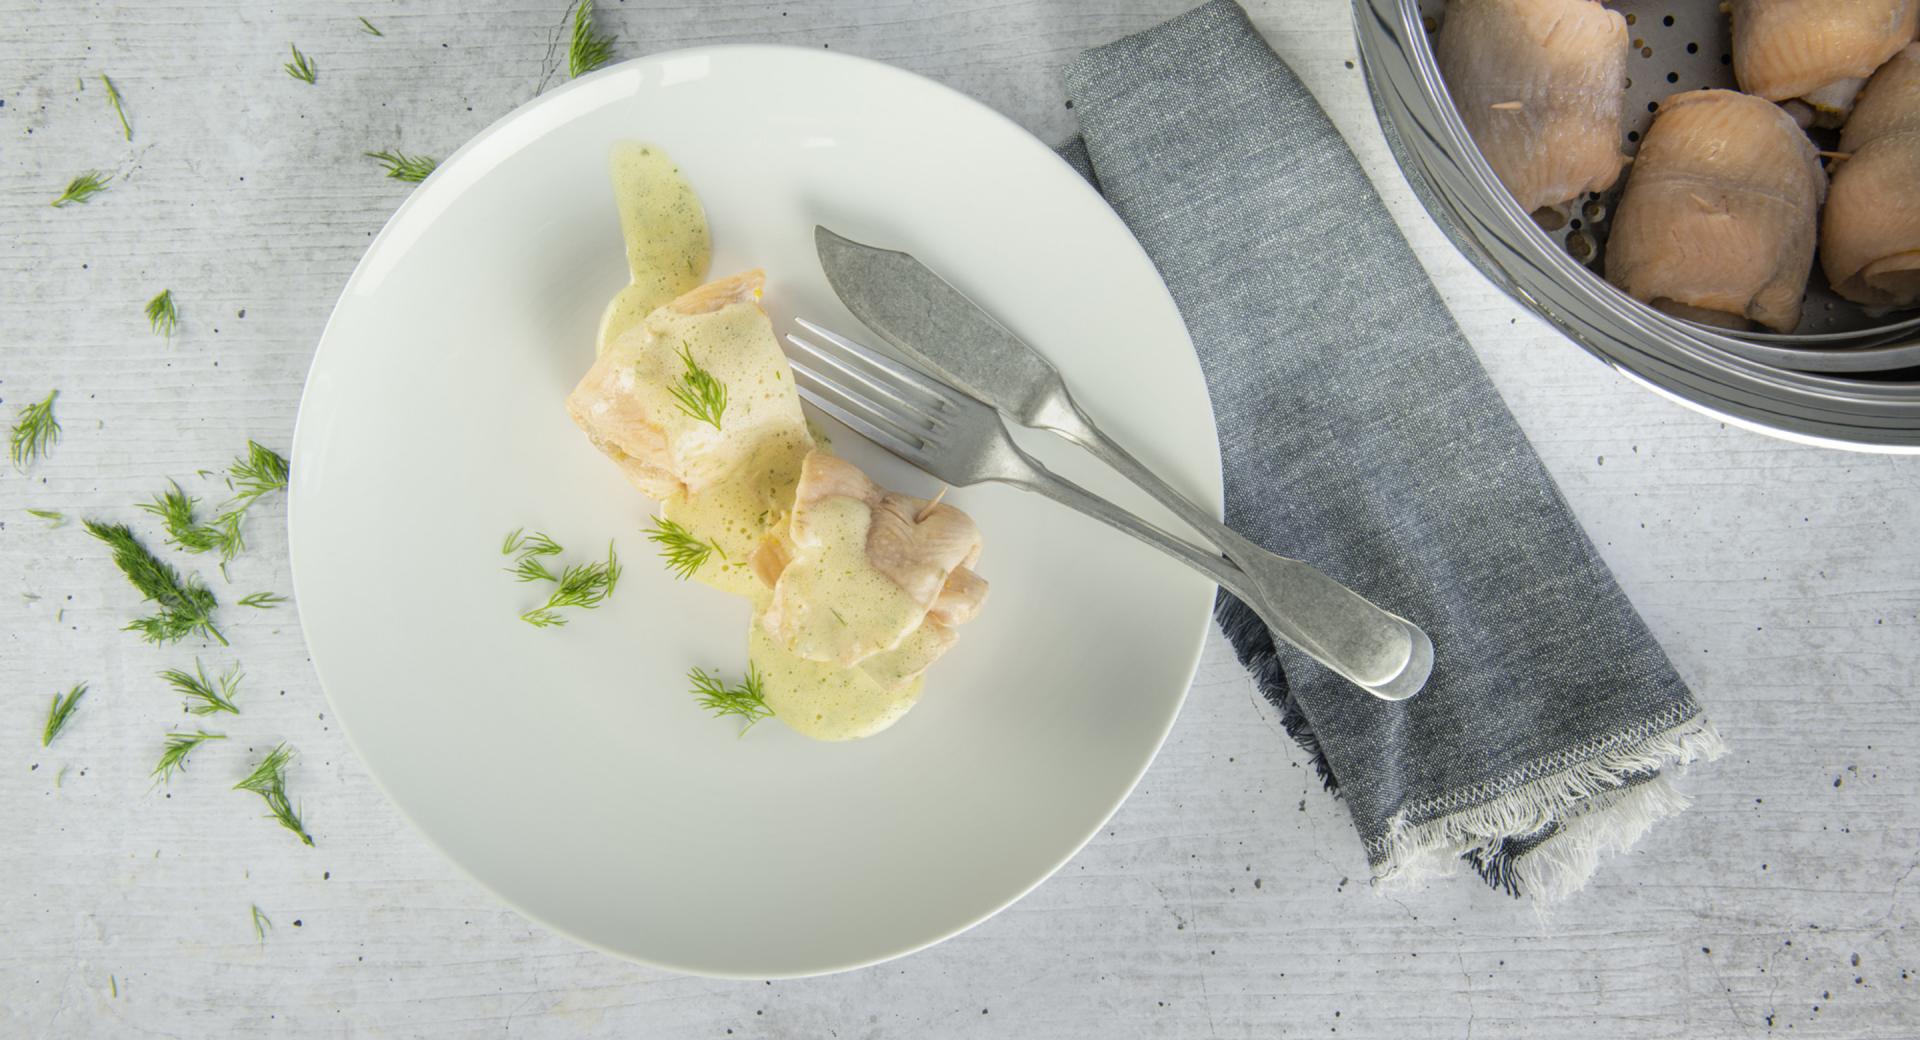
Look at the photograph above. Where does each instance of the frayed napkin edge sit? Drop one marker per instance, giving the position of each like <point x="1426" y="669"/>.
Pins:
<point x="1602" y="805"/>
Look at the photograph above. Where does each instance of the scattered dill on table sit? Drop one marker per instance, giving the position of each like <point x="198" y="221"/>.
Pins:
<point x="368" y="28"/>
<point x="35" y="431"/>
<point x="59" y="712"/>
<point x="202" y="696"/>
<point x="113" y="98"/>
<point x="52" y="518"/>
<point x="261" y="925"/>
<point x="163" y="315"/>
<point x="262" y="600"/>
<point x="173" y="757"/>
<point x="301" y="67"/>
<point x="403" y="167"/>
<point x="589" y="48"/>
<point x="269" y="781"/>
<point x="747" y="701"/>
<point x="186" y="606"/>
<point x="83" y="187"/>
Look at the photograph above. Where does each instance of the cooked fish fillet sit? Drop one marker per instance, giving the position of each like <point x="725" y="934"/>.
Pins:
<point x="1719" y="216"/>
<point x="1819" y="50"/>
<point x="866" y="567"/>
<point x="626" y="402"/>
<point x="1870" y="234"/>
<point x="1541" y="85"/>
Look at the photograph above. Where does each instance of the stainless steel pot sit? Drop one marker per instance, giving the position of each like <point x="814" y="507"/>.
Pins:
<point x="1845" y="378"/>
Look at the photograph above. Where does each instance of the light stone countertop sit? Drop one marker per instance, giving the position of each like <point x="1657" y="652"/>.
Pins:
<point x="1227" y="898"/>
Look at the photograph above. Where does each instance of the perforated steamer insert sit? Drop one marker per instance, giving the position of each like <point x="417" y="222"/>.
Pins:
<point x="1845" y="376"/>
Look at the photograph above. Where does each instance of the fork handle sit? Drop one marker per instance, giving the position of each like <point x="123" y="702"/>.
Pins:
<point x="1378" y="651"/>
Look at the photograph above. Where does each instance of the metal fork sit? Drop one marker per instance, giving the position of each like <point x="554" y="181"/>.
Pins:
<point x="962" y="441"/>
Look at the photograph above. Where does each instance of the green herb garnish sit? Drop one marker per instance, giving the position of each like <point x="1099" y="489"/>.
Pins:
<point x="162" y="314"/>
<point x="52" y="518"/>
<point x="684" y="552"/>
<point x="263" y="470"/>
<point x="589" y="48"/>
<point x="113" y="98"/>
<point x="83" y="187"/>
<point x="583" y="585"/>
<point x="179" y="746"/>
<point x="403" y="167"/>
<point x="261" y="926"/>
<point x="60" y="711"/>
<point x="747" y="700"/>
<point x="367" y="27"/>
<point x="262" y="600"/>
<point x="35" y="432"/>
<point x="202" y="697"/>
<point x="301" y="67"/>
<point x="269" y="781"/>
<point x="527" y="550"/>
<point x="698" y="393"/>
<point x="186" y="606"/>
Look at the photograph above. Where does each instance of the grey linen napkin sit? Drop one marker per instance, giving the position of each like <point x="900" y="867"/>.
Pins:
<point x="1359" y="432"/>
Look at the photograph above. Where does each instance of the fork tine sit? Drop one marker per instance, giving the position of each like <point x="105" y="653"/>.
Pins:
<point x="857" y="415"/>
<point x="897" y="377"/>
<point x="909" y="414"/>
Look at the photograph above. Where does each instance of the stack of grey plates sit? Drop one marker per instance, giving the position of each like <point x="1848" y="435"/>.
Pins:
<point x="1846" y="377"/>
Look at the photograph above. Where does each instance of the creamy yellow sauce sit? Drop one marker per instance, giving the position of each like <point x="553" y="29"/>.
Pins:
<point x="835" y="605"/>
<point x="665" y="227"/>
<point x="743" y="474"/>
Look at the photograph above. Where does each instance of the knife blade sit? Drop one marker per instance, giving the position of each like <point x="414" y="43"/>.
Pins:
<point x="907" y="304"/>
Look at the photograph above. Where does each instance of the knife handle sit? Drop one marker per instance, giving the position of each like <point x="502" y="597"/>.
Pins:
<point x="1379" y="651"/>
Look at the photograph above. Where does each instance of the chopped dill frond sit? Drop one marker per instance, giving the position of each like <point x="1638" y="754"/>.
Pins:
<point x="113" y="98"/>
<point x="262" y="600"/>
<point x="368" y="28"/>
<point x="684" y="552"/>
<point x="698" y="393"/>
<point x="35" y="431"/>
<point x="403" y="167"/>
<point x="163" y="315"/>
<point x="52" y="518"/>
<point x="186" y="606"/>
<point x="269" y="781"/>
<point x="60" y="711"/>
<point x="202" y="696"/>
<point x="747" y="700"/>
<point x="83" y="187"/>
<point x="301" y="67"/>
<point x="589" y="48"/>
<point x="174" y="756"/>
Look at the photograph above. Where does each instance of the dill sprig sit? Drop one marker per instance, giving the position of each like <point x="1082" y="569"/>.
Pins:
<point x="263" y="470"/>
<point x="747" y="700"/>
<point x="698" y="393"/>
<point x="113" y="98"/>
<point x="582" y="585"/>
<point x="527" y="550"/>
<point x="590" y="48"/>
<point x="175" y="508"/>
<point x="203" y="698"/>
<point x="403" y="167"/>
<point x="684" y="552"/>
<point x="186" y="606"/>
<point x="35" y="431"/>
<point x="174" y="756"/>
<point x="368" y="28"/>
<point x="52" y="518"/>
<point x="60" y="711"/>
<point x="262" y="600"/>
<point x="83" y="187"/>
<point x="301" y="67"/>
<point x="269" y="781"/>
<point x="261" y="925"/>
<point x="163" y="315"/>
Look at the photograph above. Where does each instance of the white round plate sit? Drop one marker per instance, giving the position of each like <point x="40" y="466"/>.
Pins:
<point x="568" y="769"/>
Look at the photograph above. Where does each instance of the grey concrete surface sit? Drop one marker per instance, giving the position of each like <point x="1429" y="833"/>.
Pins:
<point x="1228" y="896"/>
